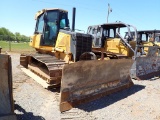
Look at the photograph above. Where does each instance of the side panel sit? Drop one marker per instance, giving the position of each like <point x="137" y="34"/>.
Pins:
<point x="84" y="81"/>
<point x="35" y="41"/>
<point x="114" y="45"/>
<point x="6" y="94"/>
<point x="62" y="48"/>
<point x="147" y="44"/>
<point x="157" y="43"/>
<point x="133" y="45"/>
<point x="63" y="42"/>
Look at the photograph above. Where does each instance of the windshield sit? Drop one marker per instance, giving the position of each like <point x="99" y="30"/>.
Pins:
<point x="64" y="21"/>
<point x="51" y="28"/>
<point x="149" y="37"/>
<point x="40" y="24"/>
<point x="49" y="23"/>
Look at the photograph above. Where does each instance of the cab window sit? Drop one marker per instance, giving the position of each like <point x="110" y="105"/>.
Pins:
<point x="144" y="37"/>
<point x="98" y="32"/>
<point x="111" y="33"/>
<point x="89" y="30"/>
<point x="40" y="24"/>
<point x="105" y="33"/>
<point x="63" y="21"/>
<point x="93" y="31"/>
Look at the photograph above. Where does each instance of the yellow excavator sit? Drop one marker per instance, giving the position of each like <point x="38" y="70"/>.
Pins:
<point x="119" y="40"/>
<point x="65" y="58"/>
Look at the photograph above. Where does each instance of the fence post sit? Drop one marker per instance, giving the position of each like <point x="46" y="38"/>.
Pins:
<point x="9" y="44"/>
<point x="0" y="49"/>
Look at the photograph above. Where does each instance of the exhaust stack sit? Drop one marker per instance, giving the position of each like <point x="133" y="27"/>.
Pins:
<point x="73" y="18"/>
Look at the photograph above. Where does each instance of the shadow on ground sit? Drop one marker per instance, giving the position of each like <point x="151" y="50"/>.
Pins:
<point x="26" y="115"/>
<point x="57" y="89"/>
<point x="110" y="99"/>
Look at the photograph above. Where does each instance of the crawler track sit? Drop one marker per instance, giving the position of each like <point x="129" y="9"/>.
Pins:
<point x="46" y="66"/>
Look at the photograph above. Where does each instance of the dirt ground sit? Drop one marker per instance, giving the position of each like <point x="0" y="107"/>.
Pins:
<point x="32" y="102"/>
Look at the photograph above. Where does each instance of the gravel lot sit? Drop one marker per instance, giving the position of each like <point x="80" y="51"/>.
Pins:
<point x="32" y="102"/>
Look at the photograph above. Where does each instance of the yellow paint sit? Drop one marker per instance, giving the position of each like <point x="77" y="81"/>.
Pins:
<point x="133" y="45"/>
<point x="46" y="48"/>
<point x="147" y="44"/>
<point x="61" y="50"/>
<point x="63" y="42"/>
<point x="157" y="43"/>
<point x="116" y="46"/>
<point x="35" y="43"/>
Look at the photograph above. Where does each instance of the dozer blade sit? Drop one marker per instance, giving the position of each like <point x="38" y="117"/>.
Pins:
<point x="6" y="94"/>
<point x="84" y="81"/>
<point x="148" y="66"/>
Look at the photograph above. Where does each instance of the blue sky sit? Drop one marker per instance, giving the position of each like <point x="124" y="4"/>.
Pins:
<point x="18" y="15"/>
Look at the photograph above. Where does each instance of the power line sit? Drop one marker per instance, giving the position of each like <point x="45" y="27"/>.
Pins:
<point x="68" y="5"/>
<point x="52" y="3"/>
<point x="128" y="17"/>
<point x="121" y="15"/>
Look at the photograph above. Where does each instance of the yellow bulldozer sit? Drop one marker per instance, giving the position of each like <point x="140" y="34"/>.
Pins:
<point x="109" y="43"/>
<point x="108" y="39"/>
<point x="67" y="59"/>
<point x="147" y="37"/>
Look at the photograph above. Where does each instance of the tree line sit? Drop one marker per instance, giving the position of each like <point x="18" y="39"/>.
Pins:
<point x="7" y="35"/>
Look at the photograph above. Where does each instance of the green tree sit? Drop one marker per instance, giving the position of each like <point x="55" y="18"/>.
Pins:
<point x="18" y="36"/>
<point x="6" y="34"/>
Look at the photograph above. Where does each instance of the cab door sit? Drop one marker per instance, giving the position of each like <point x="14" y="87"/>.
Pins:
<point x="96" y="32"/>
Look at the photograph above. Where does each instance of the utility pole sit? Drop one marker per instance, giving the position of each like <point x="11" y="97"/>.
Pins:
<point x="109" y="11"/>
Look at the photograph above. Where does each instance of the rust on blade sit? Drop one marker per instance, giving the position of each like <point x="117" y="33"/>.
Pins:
<point x="148" y="66"/>
<point x="6" y="91"/>
<point x="88" y="80"/>
<point x="4" y="61"/>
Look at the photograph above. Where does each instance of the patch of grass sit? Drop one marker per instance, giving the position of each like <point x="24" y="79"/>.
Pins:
<point x="16" y="47"/>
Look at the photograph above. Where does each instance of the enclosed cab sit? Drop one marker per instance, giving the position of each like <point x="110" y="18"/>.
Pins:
<point x="48" y="24"/>
<point x="53" y="35"/>
<point x="109" y="38"/>
<point x="147" y="38"/>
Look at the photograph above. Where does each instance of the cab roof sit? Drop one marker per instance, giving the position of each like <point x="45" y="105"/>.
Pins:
<point x="148" y="31"/>
<point x="50" y="9"/>
<point x="113" y="25"/>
